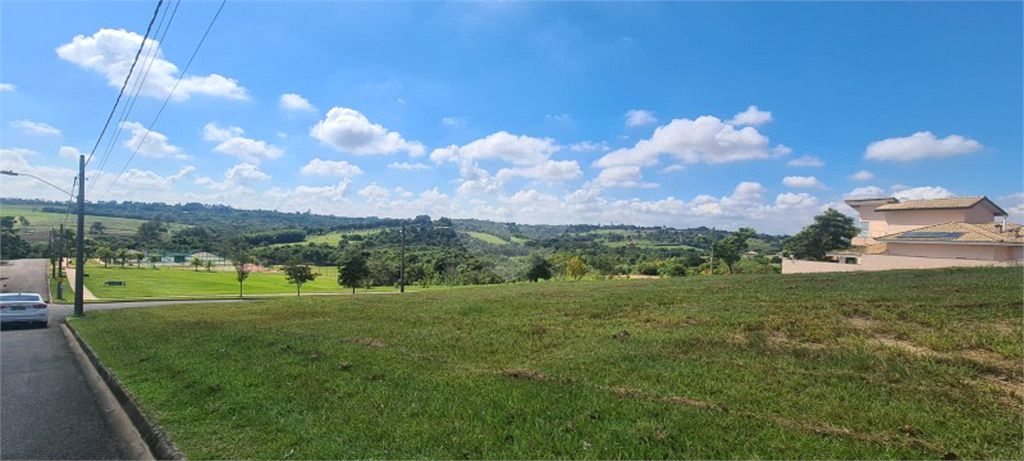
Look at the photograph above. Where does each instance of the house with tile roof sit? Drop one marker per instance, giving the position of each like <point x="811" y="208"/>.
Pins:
<point x="917" y="234"/>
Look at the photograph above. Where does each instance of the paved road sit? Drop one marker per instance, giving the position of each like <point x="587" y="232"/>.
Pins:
<point x="46" y="408"/>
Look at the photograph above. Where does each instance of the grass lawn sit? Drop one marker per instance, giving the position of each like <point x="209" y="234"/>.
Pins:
<point x="167" y="282"/>
<point x="492" y="239"/>
<point x="40" y="222"/>
<point x="893" y="365"/>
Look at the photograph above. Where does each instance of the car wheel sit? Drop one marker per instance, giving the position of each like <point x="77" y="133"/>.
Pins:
<point x="43" y="324"/>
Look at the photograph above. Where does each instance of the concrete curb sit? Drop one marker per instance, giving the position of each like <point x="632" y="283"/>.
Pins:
<point x="138" y="435"/>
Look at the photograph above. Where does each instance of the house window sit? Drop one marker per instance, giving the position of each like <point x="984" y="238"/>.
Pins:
<point x="865" y="229"/>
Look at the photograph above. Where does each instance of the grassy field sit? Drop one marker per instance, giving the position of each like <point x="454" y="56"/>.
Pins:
<point x="174" y="281"/>
<point x="40" y="222"/>
<point x="494" y="240"/>
<point x="892" y="365"/>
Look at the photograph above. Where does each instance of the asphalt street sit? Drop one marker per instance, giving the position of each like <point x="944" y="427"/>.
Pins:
<point x="47" y="410"/>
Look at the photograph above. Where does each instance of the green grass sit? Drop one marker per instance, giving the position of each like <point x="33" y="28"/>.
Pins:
<point x="330" y="238"/>
<point x="492" y="239"/>
<point x="519" y="240"/>
<point x="167" y="282"/>
<point x="893" y="365"/>
<point x="40" y="222"/>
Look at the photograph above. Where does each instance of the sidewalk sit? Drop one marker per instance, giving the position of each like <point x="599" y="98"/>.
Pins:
<point x="86" y="294"/>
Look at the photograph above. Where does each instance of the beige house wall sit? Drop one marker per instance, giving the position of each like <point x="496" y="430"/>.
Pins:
<point x="906" y="220"/>
<point x="885" y="262"/>
<point x="951" y="251"/>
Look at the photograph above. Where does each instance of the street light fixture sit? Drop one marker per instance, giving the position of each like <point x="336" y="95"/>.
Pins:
<point x="14" y="173"/>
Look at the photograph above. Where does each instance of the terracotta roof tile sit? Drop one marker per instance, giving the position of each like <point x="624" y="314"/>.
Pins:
<point x="938" y="203"/>
<point x="969" y="232"/>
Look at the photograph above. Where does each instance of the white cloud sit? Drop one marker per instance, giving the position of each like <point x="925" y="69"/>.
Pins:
<point x="551" y="171"/>
<point x="237" y="179"/>
<point x="803" y="181"/>
<point x="31" y="127"/>
<point x="789" y="200"/>
<point x="295" y="102"/>
<point x="351" y="132"/>
<point x="1013" y="204"/>
<point x="862" y="175"/>
<point x="638" y="117"/>
<point x="375" y="193"/>
<point x="589" y="146"/>
<point x="453" y="122"/>
<point x="7" y="87"/>
<point x="922" y="193"/>
<point x="110" y="52"/>
<point x="211" y="132"/>
<point x="558" y="118"/>
<point x="921" y="145"/>
<point x="341" y="169"/>
<point x="232" y="143"/>
<point x="752" y="117"/>
<point x="809" y="161"/>
<point x="282" y="135"/>
<point x="517" y="150"/>
<point x="706" y="139"/>
<point x="672" y="168"/>
<point x="69" y="153"/>
<point x="150" y="143"/>
<point x="409" y="166"/>
<point x="866" y="192"/>
<point x="400" y="100"/>
<point x="622" y="176"/>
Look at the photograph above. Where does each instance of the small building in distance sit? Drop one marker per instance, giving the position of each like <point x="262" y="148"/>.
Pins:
<point x="921" y="234"/>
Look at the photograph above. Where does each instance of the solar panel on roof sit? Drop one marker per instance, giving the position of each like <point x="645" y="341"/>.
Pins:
<point x="931" y="235"/>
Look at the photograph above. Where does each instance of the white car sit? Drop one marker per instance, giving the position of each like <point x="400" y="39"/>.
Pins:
<point x="23" y="308"/>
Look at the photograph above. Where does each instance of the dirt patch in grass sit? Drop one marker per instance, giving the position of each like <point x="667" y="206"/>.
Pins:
<point x="1013" y="392"/>
<point x="523" y="373"/>
<point x="863" y="323"/>
<point x="1010" y="367"/>
<point x="370" y="342"/>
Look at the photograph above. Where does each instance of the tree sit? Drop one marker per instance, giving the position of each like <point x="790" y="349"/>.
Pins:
<point x="24" y="222"/>
<point x="209" y="266"/>
<point x="138" y="259"/>
<point x="197" y="262"/>
<point x="831" y="231"/>
<point x="105" y="254"/>
<point x="240" y="258"/>
<point x="97" y="227"/>
<point x="298" y="274"/>
<point x="352" y="269"/>
<point x="539" y="268"/>
<point x="12" y="246"/>
<point x="731" y="248"/>
<point x="153" y="260"/>
<point x="122" y="255"/>
<point x="576" y="268"/>
<point x="150" y="233"/>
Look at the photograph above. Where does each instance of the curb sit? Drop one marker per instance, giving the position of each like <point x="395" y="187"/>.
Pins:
<point x="134" y="429"/>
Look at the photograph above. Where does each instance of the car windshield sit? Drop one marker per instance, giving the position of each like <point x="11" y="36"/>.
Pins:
<point x="20" y="298"/>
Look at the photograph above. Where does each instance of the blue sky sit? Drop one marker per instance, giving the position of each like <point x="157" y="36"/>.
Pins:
<point x="677" y="114"/>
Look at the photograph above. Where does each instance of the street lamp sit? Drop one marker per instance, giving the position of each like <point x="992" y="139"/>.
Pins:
<point x="80" y="256"/>
<point x="14" y="173"/>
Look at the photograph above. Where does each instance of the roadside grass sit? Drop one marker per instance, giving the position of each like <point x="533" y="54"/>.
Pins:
<point x="40" y="223"/>
<point x="492" y="239"/>
<point x="892" y="365"/>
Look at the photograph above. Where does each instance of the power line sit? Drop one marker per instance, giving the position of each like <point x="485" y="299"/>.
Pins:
<point x="127" y="108"/>
<point x="164" y="105"/>
<point x="125" y="84"/>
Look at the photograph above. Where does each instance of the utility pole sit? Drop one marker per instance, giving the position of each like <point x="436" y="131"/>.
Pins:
<point x="80" y="266"/>
<point x="60" y="263"/>
<point x="401" y="273"/>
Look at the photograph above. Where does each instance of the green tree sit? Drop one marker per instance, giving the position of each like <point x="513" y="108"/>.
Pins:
<point x="731" y="248"/>
<point x="153" y="260"/>
<point x="138" y="259"/>
<point x="240" y="259"/>
<point x="298" y="274"/>
<point x="197" y="262"/>
<point x="576" y="268"/>
<point x="122" y="255"/>
<point x="97" y="227"/>
<point x="209" y="266"/>
<point x="12" y="246"/>
<point x="24" y="222"/>
<point x="105" y="254"/>
<point x="352" y="269"/>
<point x="150" y="233"/>
<point x="831" y="231"/>
<point x="539" y="268"/>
